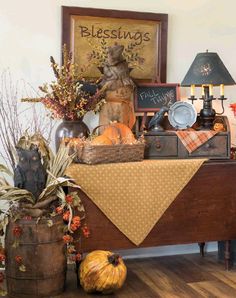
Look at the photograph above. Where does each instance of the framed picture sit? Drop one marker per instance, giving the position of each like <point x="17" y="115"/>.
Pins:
<point x="151" y="97"/>
<point x="88" y="32"/>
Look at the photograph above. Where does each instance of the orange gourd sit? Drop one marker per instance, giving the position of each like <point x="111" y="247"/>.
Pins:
<point x="101" y="140"/>
<point x="126" y="134"/>
<point x="113" y="134"/>
<point x="102" y="271"/>
<point x="119" y="133"/>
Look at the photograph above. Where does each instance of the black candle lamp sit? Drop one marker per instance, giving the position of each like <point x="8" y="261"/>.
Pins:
<point x="206" y="71"/>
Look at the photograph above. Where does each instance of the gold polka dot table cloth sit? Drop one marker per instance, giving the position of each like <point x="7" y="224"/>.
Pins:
<point x="134" y="195"/>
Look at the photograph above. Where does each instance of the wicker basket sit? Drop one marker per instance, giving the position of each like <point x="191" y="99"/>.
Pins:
<point x="95" y="154"/>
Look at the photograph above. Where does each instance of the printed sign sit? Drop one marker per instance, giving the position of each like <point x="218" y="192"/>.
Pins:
<point x="91" y="36"/>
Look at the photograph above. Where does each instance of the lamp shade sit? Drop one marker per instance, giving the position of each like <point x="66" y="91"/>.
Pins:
<point x="207" y="68"/>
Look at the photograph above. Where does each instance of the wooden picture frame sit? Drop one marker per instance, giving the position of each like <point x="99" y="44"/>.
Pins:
<point x="150" y="97"/>
<point x="144" y="34"/>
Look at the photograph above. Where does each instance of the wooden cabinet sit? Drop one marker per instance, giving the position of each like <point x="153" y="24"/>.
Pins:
<point x="161" y="145"/>
<point x="203" y="211"/>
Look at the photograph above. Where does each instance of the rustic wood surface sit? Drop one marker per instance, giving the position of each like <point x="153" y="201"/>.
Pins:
<point x="203" y="211"/>
<point x="182" y="276"/>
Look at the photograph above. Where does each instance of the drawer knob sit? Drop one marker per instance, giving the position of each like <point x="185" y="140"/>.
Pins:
<point x="208" y="146"/>
<point x="158" y="144"/>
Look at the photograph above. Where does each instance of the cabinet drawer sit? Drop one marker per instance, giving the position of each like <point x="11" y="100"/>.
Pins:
<point x="217" y="146"/>
<point x="161" y="146"/>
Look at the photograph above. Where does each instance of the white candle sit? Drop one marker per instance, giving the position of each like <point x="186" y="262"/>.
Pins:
<point x="192" y="90"/>
<point x="203" y="92"/>
<point x="222" y="89"/>
<point x="210" y="89"/>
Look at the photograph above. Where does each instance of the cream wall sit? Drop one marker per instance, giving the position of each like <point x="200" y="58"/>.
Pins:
<point x="30" y="31"/>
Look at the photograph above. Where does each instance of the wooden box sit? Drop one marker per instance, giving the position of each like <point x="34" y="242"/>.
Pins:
<point x="166" y="144"/>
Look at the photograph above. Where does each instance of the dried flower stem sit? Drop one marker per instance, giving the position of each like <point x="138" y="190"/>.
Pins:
<point x="14" y="120"/>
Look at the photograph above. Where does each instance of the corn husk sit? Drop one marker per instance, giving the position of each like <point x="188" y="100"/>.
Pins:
<point x="59" y="163"/>
<point x="10" y="193"/>
<point x="54" y="188"/>
<point x="5" y="170"/>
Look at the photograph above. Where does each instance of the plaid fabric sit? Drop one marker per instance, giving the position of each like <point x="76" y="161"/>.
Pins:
<point x="193" y="139"/>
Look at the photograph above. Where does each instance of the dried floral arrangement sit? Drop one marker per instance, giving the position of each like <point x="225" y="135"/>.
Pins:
<point x="52" y="201"/>
<point x="98" y="55"/>
<point x="70" y="96"/>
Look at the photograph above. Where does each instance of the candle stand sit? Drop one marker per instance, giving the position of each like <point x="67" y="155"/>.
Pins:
<point x="207" y="113"/>
<point x="206" y="71"/>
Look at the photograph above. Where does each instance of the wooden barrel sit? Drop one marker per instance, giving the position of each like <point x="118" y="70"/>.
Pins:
<point x="43" y="254"/>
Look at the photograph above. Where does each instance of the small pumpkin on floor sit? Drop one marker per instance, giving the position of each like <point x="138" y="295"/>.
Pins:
<point x="102" y="271"/>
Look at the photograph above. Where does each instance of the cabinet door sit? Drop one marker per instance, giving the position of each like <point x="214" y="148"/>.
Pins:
<point x="161" y="146"/>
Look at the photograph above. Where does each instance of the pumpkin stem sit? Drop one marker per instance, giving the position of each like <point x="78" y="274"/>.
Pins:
<point x="114" y="259"/>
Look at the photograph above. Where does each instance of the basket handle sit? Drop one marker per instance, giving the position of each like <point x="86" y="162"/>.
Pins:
<point x="98" y="126"/>
<point x="106" y="125"/>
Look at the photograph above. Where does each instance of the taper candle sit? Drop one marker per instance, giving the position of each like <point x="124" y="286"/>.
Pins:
<point x="203" y="91"/>
<point x="192" y="90"/>
<point x="210" y="89"/>
<point x="222" y="89"/>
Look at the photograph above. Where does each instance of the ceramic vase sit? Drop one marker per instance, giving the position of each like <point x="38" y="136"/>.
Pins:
<point x="71" y="129"/>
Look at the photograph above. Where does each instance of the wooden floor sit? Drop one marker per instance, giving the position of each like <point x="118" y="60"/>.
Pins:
<point x="181" y="276"/>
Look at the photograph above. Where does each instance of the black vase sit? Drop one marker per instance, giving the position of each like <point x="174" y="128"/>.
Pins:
<point x="71" y="129"/>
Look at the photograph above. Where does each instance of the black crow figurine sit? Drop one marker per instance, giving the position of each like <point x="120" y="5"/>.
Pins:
<point x="156" y="120"/>
<point x="30" y="173"/>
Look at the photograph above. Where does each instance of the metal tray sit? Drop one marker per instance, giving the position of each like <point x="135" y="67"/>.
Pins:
<point x="182" y="115"/>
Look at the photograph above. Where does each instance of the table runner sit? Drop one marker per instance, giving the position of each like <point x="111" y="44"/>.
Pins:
<point x="134" y="195"/>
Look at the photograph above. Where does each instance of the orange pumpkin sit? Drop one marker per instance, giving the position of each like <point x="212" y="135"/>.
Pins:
<point x="101" y="140"/>
<point x="113" y="134"/>
<point x="102" y="271"/>
<point x="126" y="134"/>
<point x="119" y="133"/>
<point x="218" y="126"/>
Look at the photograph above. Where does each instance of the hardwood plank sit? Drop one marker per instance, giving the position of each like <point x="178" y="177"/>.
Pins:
<point x="226" y="277"/>
<point x="184" y="268"/>
<point x="165" y="283"/>
<point x="139" y="287"/>
<point x="214" y="289"/>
